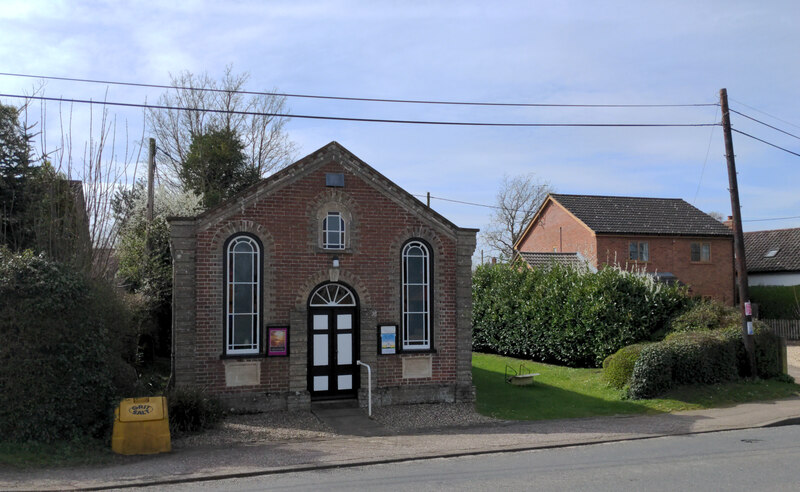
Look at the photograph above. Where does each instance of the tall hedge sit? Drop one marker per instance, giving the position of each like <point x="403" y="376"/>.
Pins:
<point x="776" y="301"/>
<point x="565" y="315"/>
<point x="63" y="337"/>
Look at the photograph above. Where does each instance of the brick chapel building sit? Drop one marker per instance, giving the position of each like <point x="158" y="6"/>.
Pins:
<point x="666" y="237"/>
<point x="279" y="291"/>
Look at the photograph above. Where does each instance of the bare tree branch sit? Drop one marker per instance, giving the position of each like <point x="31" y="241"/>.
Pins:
<point x="518" y="200"/>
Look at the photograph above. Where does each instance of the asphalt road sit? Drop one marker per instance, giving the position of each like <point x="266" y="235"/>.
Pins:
<point x="751" y="460"/>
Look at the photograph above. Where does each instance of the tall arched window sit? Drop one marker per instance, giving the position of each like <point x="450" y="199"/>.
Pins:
<point x="416" y="296"/>
<point x="242" y="296"/>
<point x="333" y="234"/>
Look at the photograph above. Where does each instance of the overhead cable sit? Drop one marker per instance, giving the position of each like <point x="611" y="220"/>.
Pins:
<point x="362" y="120"/>
<point x="764" y="141"/>
<point x="362" y="99"/>
<point x="765" y="124"/>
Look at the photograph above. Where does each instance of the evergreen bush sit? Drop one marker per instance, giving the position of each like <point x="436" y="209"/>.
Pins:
<point x="566" y="315"/>
<point x="61" y="365"/>
<point x="618" y="367"/>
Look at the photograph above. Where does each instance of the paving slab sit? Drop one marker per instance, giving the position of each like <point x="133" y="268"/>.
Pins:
<point x="350" y="422"/>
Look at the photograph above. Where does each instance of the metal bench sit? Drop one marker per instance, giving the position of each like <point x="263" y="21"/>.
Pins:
<point x="523" y="377"/>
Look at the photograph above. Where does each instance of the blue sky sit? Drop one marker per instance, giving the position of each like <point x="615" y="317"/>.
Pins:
<point x="546" y="52"/>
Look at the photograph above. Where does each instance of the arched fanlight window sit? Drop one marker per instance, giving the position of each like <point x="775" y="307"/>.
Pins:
<point x="416" y="296"/>
<point x="242" y="296"/>
<point x="332" y="295"/>
<point x="333" y="231"/>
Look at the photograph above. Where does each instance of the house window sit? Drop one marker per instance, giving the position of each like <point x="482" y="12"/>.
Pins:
<point x="242" y="295"/>
<point x="639" y="251"/>
<point x="701" y="252"/>
<point x="416" y="296"/>
<point x="333" y="231"/>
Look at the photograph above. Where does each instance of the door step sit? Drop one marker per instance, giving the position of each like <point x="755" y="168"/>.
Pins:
<point x="334" y="404"/>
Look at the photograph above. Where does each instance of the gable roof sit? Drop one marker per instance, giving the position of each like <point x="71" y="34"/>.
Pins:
<point x="639" y="215"/>
<point x="546" y="259"/>
<point x="332" y="152"/>
<point x="787" y="243"/>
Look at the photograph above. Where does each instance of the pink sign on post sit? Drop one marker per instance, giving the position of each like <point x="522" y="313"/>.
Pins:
<point x="748" y="310"/>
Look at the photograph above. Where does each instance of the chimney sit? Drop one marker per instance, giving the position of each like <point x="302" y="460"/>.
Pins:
<point x="729" y="222"/>
<point x="494" y="261"/>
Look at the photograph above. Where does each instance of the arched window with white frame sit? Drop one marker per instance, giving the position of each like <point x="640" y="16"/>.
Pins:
<point x="333" y="231"/>
<point x="416" y="296"/>
<point x="242" y="296"/>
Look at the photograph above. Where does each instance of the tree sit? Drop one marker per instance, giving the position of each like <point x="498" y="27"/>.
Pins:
<point x="216" y="167"/>
<point x="264" y="141"/>
<point x="145" y="261"/>
<point x="15" y="170"/>
<point x="517" y="202"/>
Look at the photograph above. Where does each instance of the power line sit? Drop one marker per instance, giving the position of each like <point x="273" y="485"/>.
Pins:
<point x="705" y="161"/>
<point x="764" y="141"/>
<point x="362" y="99"/>
<point x="765" y="113"/>
<point x="774" y="218"/>
<point x="498" y="207"/>
<point x="364" y="120"/>
<point x="765" y="124"/>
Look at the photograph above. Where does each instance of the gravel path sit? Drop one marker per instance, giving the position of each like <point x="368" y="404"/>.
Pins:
<point x="288" y="426"/>
<point x="261" y="427"/>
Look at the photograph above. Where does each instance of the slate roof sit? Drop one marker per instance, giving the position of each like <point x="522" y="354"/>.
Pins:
<point x="636" y="215"/>
<point x="759" y="243"/>
<point x="539" y="259"/>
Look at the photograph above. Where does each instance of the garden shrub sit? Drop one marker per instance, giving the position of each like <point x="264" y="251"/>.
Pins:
<point x="565" y="315"/>
<point x="618" y="367"/>
<point x="706" y="315"/>
<point x="652" y="372"/>
<point x="61" y="366"/>
<point x="191" y="409"/>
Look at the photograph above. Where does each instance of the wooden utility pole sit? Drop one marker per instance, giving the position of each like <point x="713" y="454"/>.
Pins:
<point x="738" y="237"/>
<point x="151" y="170"/>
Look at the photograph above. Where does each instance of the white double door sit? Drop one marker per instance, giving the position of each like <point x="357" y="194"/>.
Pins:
<point x="332" y="370"/>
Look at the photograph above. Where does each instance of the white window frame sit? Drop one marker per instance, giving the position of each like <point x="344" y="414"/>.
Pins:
<point x="425" y="342"/>
<point x="230" y="287"/>
<point x="326" y="230"/>
<point x="641" y="250"/>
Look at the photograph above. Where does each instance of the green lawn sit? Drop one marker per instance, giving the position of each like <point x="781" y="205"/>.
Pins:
<point x="563" y="392"/>
<point x="60" y="453"/>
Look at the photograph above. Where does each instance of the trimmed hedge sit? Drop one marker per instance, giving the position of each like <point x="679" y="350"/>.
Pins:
<point x="567" y="316"/>
<point x="776" y="301"/>
<point x="706" y="315"/>
<point x="703" y="357"/>
<point x="618" y="367"/>
<point x="61" y="369"/>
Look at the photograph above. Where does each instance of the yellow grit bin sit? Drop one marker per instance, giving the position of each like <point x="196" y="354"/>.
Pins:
<point x="141" y="426"/>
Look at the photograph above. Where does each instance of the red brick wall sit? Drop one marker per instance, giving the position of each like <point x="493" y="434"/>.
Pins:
<point x="557" y="230"/>
<point x="709" y="279"/>
<point x="293" y="265"/>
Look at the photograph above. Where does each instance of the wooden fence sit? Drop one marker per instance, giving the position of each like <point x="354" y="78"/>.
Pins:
<point x="787" y="328"/>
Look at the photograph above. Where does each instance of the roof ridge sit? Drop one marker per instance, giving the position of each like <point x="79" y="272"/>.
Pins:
<point x="617" y="196"/>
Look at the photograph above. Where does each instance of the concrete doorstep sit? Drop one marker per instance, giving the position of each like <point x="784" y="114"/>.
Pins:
<point x="348" y="449"/>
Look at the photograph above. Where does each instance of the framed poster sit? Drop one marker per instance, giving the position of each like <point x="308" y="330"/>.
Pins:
<point x="277" y="340"/>
<point x="387" y="337"/>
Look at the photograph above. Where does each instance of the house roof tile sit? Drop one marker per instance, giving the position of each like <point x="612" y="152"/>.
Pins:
<point x="638" y="215"/>
<point x="786" y="243"/>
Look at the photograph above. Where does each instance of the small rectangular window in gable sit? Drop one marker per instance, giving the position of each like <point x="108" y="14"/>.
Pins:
<point x="334" y="179"/>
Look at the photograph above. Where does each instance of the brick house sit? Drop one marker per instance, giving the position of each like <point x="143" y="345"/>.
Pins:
<point x="281" y="289"/>
<point x="664" y="236"/>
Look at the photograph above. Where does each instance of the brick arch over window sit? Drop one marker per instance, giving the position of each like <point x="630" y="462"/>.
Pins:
<point x="437" y="254"/>
<point x="301" y="299"/>
<point x="333" y="200"/>
<point x="217" y="258"/>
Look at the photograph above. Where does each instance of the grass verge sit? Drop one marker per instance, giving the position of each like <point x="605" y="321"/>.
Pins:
<point x="563" y="392"/>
